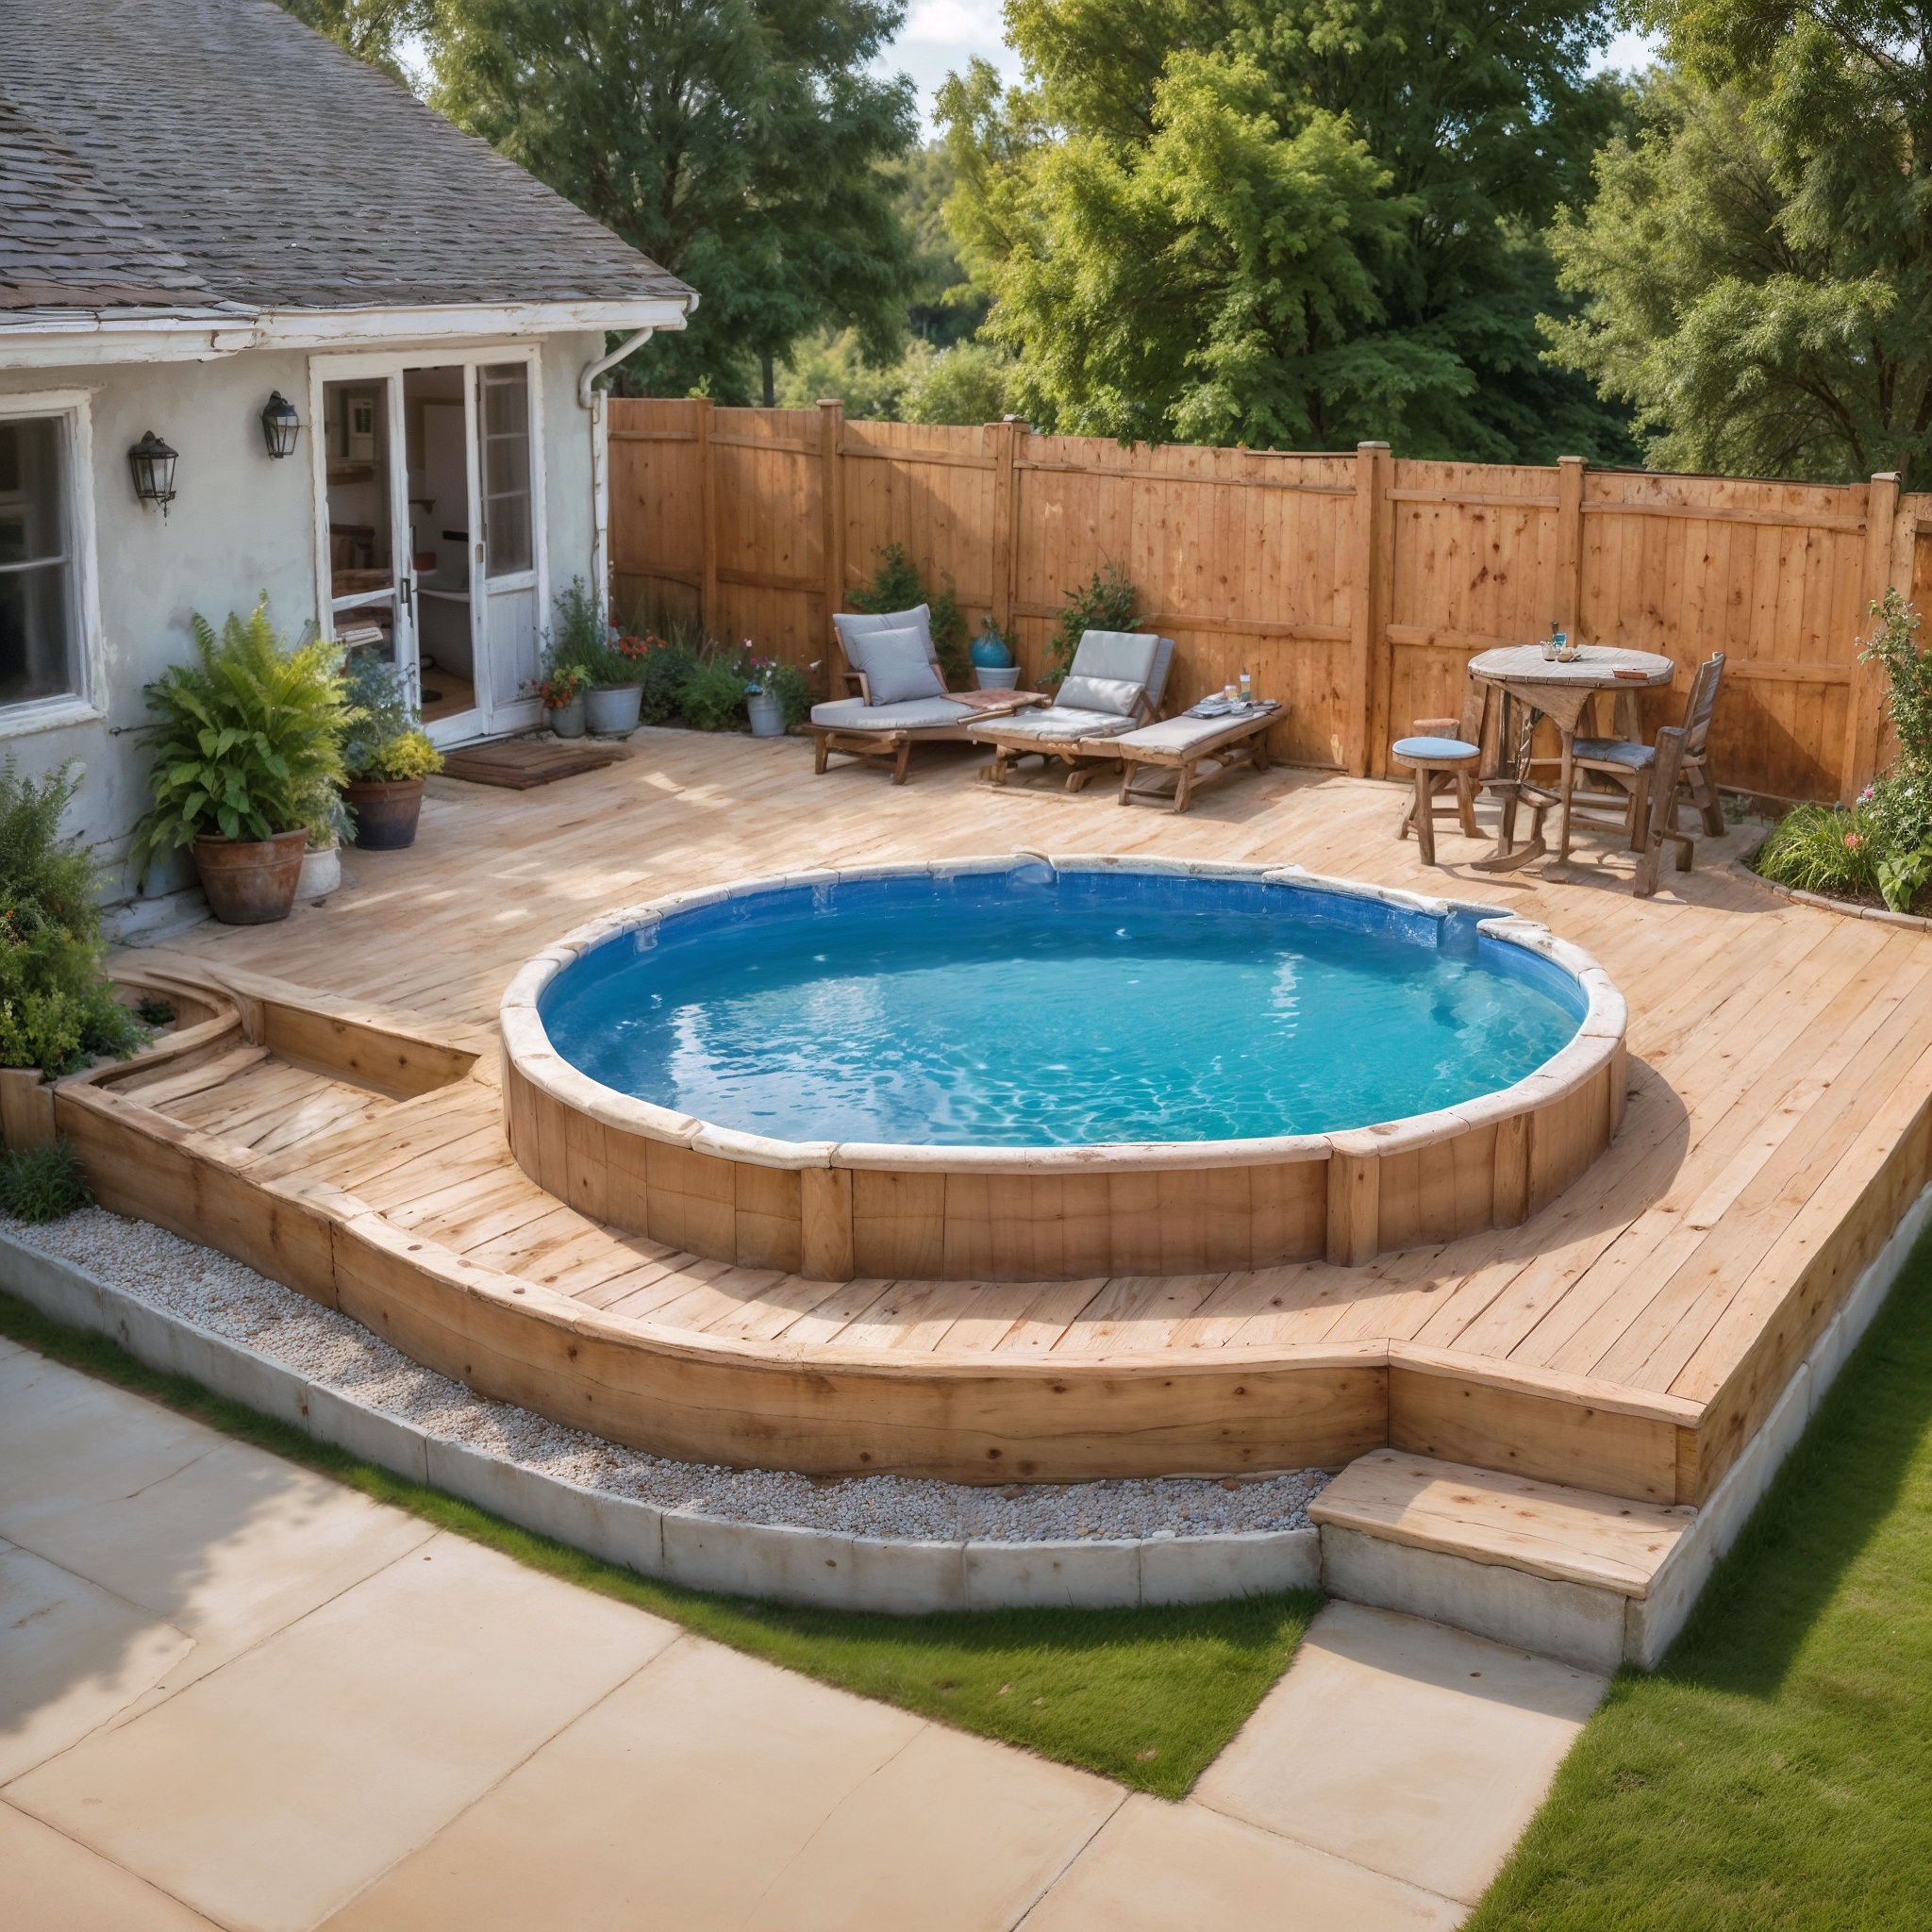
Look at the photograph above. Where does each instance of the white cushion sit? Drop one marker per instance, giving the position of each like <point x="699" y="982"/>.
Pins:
<point x="921" y="714"/>
<point x="856" y="625"/>
<point x="1127" y="656"/>
<point x="897" y="668"/>
<point x="1058" y="722"/>
<point x="1119" y="695"/>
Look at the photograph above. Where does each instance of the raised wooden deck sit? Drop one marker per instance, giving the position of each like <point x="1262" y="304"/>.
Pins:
<point x="345" y="1134"/>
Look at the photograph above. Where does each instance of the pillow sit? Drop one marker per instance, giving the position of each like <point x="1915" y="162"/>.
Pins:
<point x="896" y="668"/>
<point x="855" y="626"/>
<point x="1117" y="695"/>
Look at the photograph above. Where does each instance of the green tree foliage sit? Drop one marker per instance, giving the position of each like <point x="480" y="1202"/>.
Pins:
<point x="1757" y="262"/>
<point x="373" y="30"/>
<point x="1286" y="223"/>
<point x="738" y="142"/>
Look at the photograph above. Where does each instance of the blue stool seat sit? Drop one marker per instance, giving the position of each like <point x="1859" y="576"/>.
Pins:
<point x="1435" y="750"/>
<point x="1616" y="751"/>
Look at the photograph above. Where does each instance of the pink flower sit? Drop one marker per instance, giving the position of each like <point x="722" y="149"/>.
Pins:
<point x="1854" y="841"/>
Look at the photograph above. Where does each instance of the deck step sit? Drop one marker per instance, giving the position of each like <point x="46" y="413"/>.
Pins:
<point x="1564" y="1571"/>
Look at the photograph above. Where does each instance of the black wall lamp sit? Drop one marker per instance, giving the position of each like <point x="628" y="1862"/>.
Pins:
<point x="280" y="425"/>
<point x="153" y="463"/>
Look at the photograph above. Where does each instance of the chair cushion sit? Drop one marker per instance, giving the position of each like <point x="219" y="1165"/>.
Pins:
<point x="1119" y="695"/>
<point x="1428" y="750"/>
<point x="1058" y="722"/>
<point x="1125" y="657"/>
<point x="1616" y="751"/>
<point x="855" y="625"/>
<point x="919" y="714"/>
<point x="897" y="668"/>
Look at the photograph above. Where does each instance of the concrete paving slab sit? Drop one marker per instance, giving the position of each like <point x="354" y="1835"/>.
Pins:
<point x="1158" y="1868"/>
<point x="232" y="1547"/>
<point x="952" y="1834"/>
<point x="270" y="1792"/>
<point x="676" y="1803"/>
<point x="72" y="1657"/>
<point x="53" y="1885"/>
<point x="1403" y="1746"/>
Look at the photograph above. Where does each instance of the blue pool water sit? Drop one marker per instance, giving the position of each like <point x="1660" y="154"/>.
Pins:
<point x="1035" y="1010"/>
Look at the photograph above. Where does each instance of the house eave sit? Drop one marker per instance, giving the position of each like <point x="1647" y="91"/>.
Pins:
<point x="43" y="339"/>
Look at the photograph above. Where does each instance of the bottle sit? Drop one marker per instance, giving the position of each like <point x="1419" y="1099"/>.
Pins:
<point x="1247" y="689"/>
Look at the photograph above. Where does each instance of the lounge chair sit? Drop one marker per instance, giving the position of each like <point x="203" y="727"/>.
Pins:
<point x="1115" y="684"/>
<point x="878" y="662"/>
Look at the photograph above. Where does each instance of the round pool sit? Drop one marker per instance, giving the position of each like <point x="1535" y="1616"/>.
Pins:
<point x="893" y="1070"/>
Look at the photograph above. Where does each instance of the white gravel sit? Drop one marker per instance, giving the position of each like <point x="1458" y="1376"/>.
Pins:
<point x="225" y="1298"/>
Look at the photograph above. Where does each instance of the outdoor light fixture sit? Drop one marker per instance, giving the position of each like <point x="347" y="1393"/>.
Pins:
<point x="153" y="463"/>
<point x="280" y="425"/>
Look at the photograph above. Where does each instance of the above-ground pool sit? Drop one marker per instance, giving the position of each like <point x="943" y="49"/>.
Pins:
<point x="1023" y="1067"/>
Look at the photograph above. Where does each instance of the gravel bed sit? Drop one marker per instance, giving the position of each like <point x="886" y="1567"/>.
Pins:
<point x="225" y="1298"/>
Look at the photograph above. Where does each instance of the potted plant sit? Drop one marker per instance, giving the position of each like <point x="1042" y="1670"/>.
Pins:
<point x="561" y="690"/>
<point x="763" y="701"/>
<point x="246" y="736"/>
<point x="581" y="673"/>
<point x="992" y="659"/>
<point x="386" y="756"/>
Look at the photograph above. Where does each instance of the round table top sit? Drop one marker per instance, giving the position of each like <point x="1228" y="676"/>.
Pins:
<point x="1597" y="667"/>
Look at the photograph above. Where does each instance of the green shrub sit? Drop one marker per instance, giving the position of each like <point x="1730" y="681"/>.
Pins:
<point x="895" y="586"/>
<point x="579" y="635"/>
<point x="1820" y="848"/>
<point x="42" y="1183"/>
<point x="791" y="687"/>
<point x="1107" y="602"/>
<point x="714" y="696"/>
<point x="248" y="737"/>
<point x="152" y="1011"/>
<point x="56" y="1005"/>
<point x="971" y="382"/>
<point x="666" y="672"/>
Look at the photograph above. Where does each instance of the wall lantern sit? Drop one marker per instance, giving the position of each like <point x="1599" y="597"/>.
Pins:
<point x="153" y="463"/>
<point x="280" y="425"/>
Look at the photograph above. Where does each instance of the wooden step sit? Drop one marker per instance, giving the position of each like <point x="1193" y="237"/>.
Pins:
<point x="1571" y="1536"/>
<point x="1564" y="1571"/>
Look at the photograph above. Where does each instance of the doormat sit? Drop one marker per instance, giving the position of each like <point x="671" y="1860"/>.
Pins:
<point x="518" y="763"/>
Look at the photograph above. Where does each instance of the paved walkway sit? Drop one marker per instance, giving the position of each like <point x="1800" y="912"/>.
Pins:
<point x="233" y="1693"/>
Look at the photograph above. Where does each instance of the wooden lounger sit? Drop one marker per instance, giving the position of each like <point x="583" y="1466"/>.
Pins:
<point x="1180" y="745"/>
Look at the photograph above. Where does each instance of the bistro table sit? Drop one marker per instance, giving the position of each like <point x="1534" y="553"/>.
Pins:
<point x="1550" y="688"/>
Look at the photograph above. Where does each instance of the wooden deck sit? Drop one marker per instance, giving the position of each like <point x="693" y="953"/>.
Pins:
<point x="1628" y="1338"/>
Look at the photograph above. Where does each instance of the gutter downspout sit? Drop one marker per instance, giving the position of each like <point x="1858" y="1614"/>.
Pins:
<point x="593" y="399"/>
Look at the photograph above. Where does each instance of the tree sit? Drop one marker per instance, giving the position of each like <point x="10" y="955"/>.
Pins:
<point x="373" y="30"/>
<point x="1757" y="262"/>
<point x="1286" y="223"/>
<point x="738" y="142"/>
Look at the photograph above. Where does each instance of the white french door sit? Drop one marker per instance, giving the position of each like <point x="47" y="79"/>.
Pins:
<point x="430" y="527"/>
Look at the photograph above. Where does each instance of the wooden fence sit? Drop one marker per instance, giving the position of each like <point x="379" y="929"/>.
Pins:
<point x="1355" y="588"/>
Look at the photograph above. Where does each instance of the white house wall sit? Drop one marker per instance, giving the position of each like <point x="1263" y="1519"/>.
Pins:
<point x="242" y="524"/>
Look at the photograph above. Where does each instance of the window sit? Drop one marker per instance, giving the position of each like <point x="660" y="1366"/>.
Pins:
<point x="506" y="469"/>
<point x="40" y="627"/>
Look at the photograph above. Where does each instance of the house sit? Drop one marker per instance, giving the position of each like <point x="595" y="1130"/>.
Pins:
<point x="365" y="339"/>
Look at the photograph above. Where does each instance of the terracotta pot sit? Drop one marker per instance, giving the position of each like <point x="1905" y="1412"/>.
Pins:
<point x="251" y="881"/>
<point x="386" y="813"/>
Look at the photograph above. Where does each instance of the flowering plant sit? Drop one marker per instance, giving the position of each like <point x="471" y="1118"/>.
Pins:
<point x="565" y="684"/>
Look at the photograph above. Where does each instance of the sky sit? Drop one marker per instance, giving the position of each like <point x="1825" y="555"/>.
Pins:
<point x="940" y="37"/>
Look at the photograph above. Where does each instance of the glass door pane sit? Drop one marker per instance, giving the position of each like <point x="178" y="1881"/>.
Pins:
<point x="506" y="537"/>
<point x="362" y="513"/>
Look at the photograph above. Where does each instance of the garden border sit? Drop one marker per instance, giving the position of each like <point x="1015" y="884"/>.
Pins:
<point x="828" y="1570"/>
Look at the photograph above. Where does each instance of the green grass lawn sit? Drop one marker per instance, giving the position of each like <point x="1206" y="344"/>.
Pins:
<point x="1777" y="1772"/>
<point x="1145" y="1696"/>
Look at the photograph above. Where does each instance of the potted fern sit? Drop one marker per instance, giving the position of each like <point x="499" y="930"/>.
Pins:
<point x="386" y="756"/>
<point x="246" y="736"/>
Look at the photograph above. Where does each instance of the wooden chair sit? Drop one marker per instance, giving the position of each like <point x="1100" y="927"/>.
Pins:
<point x="1670" y="742"/>
<point x="1444" y="754"/>
<point x="1620" y="767"/>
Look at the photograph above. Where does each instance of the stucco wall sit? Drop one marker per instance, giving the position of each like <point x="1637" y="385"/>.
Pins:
<point x="241" y="524"/>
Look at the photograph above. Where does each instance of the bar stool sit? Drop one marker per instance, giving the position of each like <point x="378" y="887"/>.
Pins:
<point x="1444" y="755"/>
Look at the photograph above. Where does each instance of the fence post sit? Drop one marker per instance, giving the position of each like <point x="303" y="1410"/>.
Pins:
<point x="1570" y="544"/>
<point x="1368" y="603"/>
<point x="1865" y="700"/>
<point x="1006" y="437"/>
<point x="707" y="545"/>
<point x="832" y="513"/>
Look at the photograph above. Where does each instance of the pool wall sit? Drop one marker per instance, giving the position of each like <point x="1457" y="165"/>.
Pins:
<point x="834" y="1211"/>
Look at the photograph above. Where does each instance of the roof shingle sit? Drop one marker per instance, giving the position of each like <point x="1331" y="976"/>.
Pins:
<point x="187" y="153"/>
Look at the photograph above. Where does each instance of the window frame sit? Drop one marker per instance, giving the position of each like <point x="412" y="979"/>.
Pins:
<point x="82" y="705"/>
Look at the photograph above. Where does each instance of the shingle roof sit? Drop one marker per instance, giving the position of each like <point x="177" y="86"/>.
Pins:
<point x="188" y="153"/>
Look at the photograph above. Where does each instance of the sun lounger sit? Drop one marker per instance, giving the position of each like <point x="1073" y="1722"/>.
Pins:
<point x="1115" y="685"/>
<point x="876" y="725"/>
<point x="1180" y="745"/>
